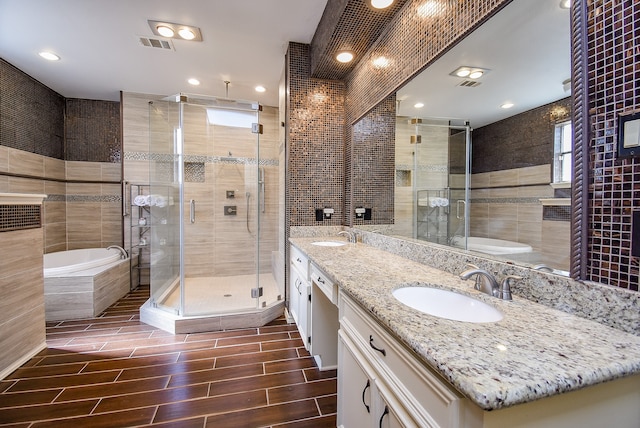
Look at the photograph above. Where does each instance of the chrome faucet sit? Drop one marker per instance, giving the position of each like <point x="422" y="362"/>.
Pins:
<point x="349" y="234"/>
<point x="505" y="289"/>
<point x="123" y="252"/>
<point x="485" y="282"/>
<point x="543" y="268"/>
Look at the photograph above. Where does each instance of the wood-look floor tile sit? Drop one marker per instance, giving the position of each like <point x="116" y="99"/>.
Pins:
<point x="201" y="354"/>
<point x="255" y="382"/>
<point x="166" y="369"/>
<point x="320" y="422"/>
<point x="283" y="366"/>
<point x="280" y="344"/>
<point x="164" y="345"/>
<point x="215" y="375"/>
<point x="328" y="405"/>
<point x="258" y="357"/>
<point x="252" y="339"/>
<point x="63" y="381"/>
<point x="222" y="334"/>
<point x="47" y="411"/>
<point x="111" y="389"/>
<point x="152" y="398"/>
<point x="265" y="416"/>
<point x="125" y="363"/>
<point x="42" y="371"/>
<point x="211" y="405"/>
<point x="114" y="337"/>
<point x="299" y="391"/>
<point x="315" y="374"/>
<point x="127" y="418"/>
<point x="28" y="398"/>
<point x="182" y="423"/>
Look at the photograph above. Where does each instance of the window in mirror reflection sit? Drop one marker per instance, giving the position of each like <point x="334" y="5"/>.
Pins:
<point x="562" y="153"/>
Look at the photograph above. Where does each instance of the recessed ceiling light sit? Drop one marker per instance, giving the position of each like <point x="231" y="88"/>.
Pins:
<point x="49" y="56"/>
<point x="260" y="88"/>
<point x="176" y="31"/>
<point x="193" y="81"/>
<point x="470" y="72"/>
<point x="344" y="57"/>
<point x="565" y="4"/>
<point x="187" y="33"/>
<point x="165" y="31"/>
<point x="381" y="62"/>
<point x="381" y="4"/>
<point x="506" y="105"/>
<point x="418" y="105"/>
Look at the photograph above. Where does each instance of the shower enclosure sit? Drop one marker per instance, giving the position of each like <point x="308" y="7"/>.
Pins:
<point x="213" y="209"/>
<point x="440" y="153"/>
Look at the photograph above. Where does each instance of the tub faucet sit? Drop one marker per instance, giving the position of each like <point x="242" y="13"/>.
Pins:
<point x="488" y="283"/>
<point x="350" y="235"/>
<point x="123" y="252"/>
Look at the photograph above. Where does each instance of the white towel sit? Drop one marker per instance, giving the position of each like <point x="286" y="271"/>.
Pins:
<point x="141" y="200"/>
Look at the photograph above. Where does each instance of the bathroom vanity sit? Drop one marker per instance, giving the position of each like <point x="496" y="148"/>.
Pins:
<point x="399" y="367"/>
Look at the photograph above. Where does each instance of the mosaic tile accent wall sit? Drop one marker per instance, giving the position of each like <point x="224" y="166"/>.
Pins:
<point x="31" y="115"/>
<point x="92" y="131"/>
<point x="315" y="146"/>
<point x="614" y="184"/>
<point x="533" y="130"/>
<point x="372" y="164"/>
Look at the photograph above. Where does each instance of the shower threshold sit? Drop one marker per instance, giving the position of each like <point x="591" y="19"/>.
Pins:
<point x="214" y="304"/>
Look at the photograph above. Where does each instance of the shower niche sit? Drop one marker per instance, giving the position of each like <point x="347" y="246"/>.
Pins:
<point x="215" y="265"/>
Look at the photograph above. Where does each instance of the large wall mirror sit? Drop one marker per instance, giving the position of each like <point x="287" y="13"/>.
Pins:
<point x="483" y="142"/>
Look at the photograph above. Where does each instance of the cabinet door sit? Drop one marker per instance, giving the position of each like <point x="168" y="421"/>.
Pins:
<point x="304" y="312"/>
<point x="294" y="295"/>
<point x="355" y="387"/>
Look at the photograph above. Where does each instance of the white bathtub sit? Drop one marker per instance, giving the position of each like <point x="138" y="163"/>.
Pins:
<point x="68" y="262"/>
<point x="83" y="283"/>
<point x="492" y="246"/>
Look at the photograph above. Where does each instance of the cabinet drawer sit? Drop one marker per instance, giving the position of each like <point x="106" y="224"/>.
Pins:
<point x="423" y="393"/>
<point x="300" y="261"/>
<point x="325" y="284"/>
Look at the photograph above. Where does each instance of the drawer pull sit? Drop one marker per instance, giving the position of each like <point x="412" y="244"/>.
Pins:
<point x="385" y="413"/>
<point x="381" y="350"/>
<point x="320" y="280"/>
<point x="367" y="386"/>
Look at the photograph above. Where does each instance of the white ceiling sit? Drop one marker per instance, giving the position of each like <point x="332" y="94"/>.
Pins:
<point x="526" y="47"/>
<point x="244" y="42"/>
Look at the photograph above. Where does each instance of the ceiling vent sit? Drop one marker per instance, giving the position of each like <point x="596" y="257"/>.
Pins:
<point x="153" y="42"/>
<point x="469" y="83"/>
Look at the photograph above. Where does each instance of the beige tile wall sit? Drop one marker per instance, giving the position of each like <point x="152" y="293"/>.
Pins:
<point x="75" y="214"/>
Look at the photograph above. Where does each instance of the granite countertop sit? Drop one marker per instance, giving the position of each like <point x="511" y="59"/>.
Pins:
<point x="533" y="352"/>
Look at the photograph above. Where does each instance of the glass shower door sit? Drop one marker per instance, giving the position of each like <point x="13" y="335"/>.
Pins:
<point x="221" y="185"/>
<point x="440" y="184"/>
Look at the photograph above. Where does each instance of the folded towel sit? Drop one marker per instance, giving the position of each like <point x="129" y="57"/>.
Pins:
<point x="141" y="200"/>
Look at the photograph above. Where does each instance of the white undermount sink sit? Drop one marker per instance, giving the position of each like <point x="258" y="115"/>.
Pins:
<point x="329" y="243"/>
<point x="447" y="304"/>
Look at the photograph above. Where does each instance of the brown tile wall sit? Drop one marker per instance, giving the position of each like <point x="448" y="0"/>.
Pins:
<point x="614" y="184"/>
<point x="316" y="176"/>
<point x="533" y="129"/>
<point x="83" y="206"/>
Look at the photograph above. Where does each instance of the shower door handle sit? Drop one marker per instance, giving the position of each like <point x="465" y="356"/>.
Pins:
<point x="192" y="210"/>
<point x="460" y="201"/>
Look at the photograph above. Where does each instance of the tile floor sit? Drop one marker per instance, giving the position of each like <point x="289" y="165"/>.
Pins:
<point x="114" y="371"/>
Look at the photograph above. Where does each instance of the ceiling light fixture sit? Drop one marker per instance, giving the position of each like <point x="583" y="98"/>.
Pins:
<point x="506" y="105"/>
<point x="565" y="4"/>
<point x="344" y="57"/>
<point x="260" y="88"/>
<point x="418" y="105"/>
<point x="50" y="56"/>
<point x="193" y="81"/>
<point x="381" y="62"/>
<point x="172" y="30"/>
<point x="380" y="4"/>
<point x="470" y="72"/>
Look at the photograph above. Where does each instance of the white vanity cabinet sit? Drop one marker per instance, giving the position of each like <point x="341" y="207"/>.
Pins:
<point x="300" y="294"/>
<point x="324" y="319"/>
<point x="381" y="382"/>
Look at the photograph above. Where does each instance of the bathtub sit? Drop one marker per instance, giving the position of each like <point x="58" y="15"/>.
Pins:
<point x="67" y="262"/>
<point x="83" y="283"/>
<point x="492" y="246"/>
